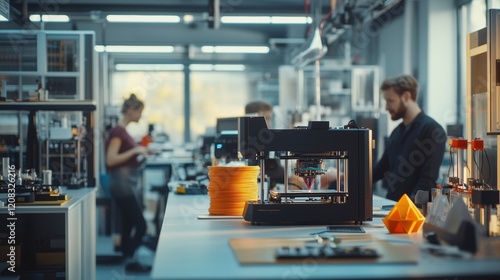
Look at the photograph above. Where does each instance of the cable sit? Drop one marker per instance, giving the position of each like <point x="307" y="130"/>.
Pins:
<point x="449" y="168"/>
<point x="481" y="168"/>
<point x="323" y="21"/>
<point x="467" y="166"/>
<point x="478" y="167"/>
<point x="452" y="164"/>
<point x="489" y="166"/>
<point x="487" y="186"/>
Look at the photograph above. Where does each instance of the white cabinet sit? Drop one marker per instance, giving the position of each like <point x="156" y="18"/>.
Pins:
<point x="54" y="242"/>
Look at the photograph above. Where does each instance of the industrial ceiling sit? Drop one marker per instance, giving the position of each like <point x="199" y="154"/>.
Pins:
<point x="284" y="40"/>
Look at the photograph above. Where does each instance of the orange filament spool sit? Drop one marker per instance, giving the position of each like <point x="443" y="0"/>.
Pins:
<point x="230" y="187"/>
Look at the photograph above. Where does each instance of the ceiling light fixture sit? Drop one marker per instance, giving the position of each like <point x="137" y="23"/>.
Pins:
<point x="266" y="19"/>
<point x="216" y="67"/>
<point x="234" y="49"/>
<point x="49" y="18"/>
<point x="291" y="20"/>
<point x="2" y="18"/>
<point x="229" y="67"/>
<point x="188" y="18"/>
<point x="246" y="19"/>
<point x="99" y="48"/>
<point x="134" y="49"/>
<point x="201" y="67"/>
<point x="143" y="18"/>
<point x="148" y="67"/>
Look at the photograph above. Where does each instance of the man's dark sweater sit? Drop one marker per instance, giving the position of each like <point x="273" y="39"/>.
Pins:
<point x="412" y="158"/>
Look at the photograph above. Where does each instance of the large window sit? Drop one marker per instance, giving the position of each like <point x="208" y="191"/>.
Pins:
<point x="213" y="95"/>
<point x="216" y="95"/>
<point x="163" y="95"/>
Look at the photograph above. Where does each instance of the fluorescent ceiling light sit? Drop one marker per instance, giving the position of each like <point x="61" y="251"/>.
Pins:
<point x="216" y="67"/>
<point x="135" y="49"/>
<point x="143" y="18"/>
<point x="229" y="67"/>
<point x="143" y="49"/>
<point x="245" y="19"/>
<point x="149" y="67"/>
<point x="201" y="67"/>
<point x="49" y="18"/>
<point x="234" y="49"/>
<point x="188" y="18"/>
<point x="291" y="20"/>
<point x="99" y="48"/>
<point x="2" y="18"/>
<point x="266" y="19"/>
<point x="35" y="18"/>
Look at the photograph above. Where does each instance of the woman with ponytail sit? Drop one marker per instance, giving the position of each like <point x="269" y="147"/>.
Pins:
<point x="123" y="159"/>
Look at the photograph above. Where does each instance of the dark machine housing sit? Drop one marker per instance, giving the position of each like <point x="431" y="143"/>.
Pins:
<point x="350" y="202"/>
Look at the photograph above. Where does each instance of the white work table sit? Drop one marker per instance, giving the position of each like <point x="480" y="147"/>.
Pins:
<point x="192" y="248"/>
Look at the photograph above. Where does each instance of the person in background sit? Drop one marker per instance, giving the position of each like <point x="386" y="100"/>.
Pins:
<point x="415" y="149"/>
<point x="260" y="108"/>
<point x="123" y="159"/>
<point x="274" y="169"/>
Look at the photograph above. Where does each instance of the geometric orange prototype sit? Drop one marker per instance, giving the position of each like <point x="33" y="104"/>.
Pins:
<point x="404" y="217"/>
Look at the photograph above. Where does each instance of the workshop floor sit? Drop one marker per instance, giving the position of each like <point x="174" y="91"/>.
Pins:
<point x="110" y="267"/>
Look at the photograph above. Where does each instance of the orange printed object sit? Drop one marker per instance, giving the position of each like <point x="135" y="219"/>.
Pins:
<point x="404" y="217"/>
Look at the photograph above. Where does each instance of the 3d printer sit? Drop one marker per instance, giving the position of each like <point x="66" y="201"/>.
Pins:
<point x="351" y="147"/>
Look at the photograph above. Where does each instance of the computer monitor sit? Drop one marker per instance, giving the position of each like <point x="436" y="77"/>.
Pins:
<point x="226" y="124"/>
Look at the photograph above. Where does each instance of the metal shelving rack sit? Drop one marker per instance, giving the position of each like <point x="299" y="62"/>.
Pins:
<point x="85" y="166"/>
<point x="43" y="73"/>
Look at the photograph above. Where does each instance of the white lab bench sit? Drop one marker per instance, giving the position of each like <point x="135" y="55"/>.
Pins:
<point x="72" y="225"/>
<point x="192" y="248"/>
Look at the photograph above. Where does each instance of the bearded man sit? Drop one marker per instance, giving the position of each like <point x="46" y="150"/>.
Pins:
<point x="415" y="149"/>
